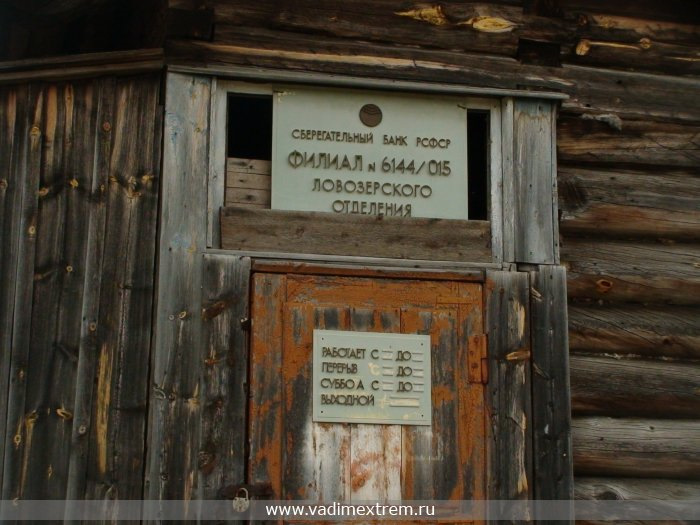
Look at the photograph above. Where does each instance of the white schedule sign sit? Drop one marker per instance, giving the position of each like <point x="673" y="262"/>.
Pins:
<point x="369" y="153"/>
<point x="367" y="377"/>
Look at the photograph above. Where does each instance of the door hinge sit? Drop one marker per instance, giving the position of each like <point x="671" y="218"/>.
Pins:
<point x="477" y="359"/>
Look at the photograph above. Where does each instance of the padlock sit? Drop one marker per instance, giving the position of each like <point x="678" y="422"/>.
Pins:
<point x="241" y="504"/>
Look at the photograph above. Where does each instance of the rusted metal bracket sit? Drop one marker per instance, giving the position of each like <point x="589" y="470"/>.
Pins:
<point x="255" y="490"/>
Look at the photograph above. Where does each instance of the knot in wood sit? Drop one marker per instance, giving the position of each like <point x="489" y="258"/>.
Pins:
<point x="603" y="285"/>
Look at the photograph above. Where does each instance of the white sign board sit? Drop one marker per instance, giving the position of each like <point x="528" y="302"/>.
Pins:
<point x="366" y="377"/>
<point x="370" y="153"/>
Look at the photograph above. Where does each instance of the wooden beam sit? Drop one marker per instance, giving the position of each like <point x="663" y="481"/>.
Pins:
<point x="645" y="448"/>
<point x="508" y="393"/>
<point x="342" y="234"/>
<point x="225" y="309"/>
<point x="634" y="387"/>
<point x="551" y="407"/>
<point x="82" y="65"/>
<point x="534" y="182"/>
<point x="177" y="369"/>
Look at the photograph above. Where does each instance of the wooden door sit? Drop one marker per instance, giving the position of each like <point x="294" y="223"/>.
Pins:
<point x="363" y="462"/>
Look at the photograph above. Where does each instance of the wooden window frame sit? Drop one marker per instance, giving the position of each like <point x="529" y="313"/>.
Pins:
<point x="221" y="88"/>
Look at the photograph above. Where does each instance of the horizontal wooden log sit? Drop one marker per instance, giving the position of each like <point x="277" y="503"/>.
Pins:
<point x="645" y="448"/>
<point x="494" y="28"/>
<point x="591" y="488"/>
<point x="358" y="235"/>
<point x="625" y="93"/>
<point x="623" y="271"/>
<point x="634" y="387"/>
<point x="655" y="331"/>
<point x="622" y="203"/>
<point x="642" y="54"/>
<point x="609" y="139"/>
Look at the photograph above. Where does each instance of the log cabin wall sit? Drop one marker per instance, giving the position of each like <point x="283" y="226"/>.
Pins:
<point x="629" y="186"/>
<point x="78" y="209"/>
<point x="628" y="159"/>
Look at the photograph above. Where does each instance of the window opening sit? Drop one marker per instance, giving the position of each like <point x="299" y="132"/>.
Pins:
<point x="478" y="163"/>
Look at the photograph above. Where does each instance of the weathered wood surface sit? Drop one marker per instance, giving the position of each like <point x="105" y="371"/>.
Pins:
<point x="13" y="107"/>
<point x="225" y="308"/>
<point x="84" y="242"/>
<point x="627" y="94"/>
<point x="634" y="387"/>
<point x="176" y="406"/>
<point x="507" y="323"/>
<point x="347" y="462"/>
<point x="27" y="169"/>
<point x="587" y="34"/>
<point x="534" y="183"/>
<point x="126" y="298"/>
<point x="624" y="93"/>
<point x="644" y="448"/>
<point x="97" y="149"/>
<point x="346" y="270"/>
<point x="643" y="205"/>
<point x="654" y="331"/>
<point x="609" y="139"/>
<point x="266" y="443"/>
<point x="588" y="488"/>
<point x="248" y="183"/>
<point x="633" y="272"/>
<point x="342" y="234"/>
<point x="551" y="405"/>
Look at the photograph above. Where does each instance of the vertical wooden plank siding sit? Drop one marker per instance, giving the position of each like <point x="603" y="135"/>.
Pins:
<point x="119" y="413"/>
<point x="507" y="315"/>
<point x="177" y="370"/>
<point x="551" y="423"/>
<point x="91" y="173"/>
<point x="12" y="107"/>
<point x="222" y="453"/>
<point x="534" y="181"/>
<point x="216" y="179"/>
<point x="20" y="421"/>
<point x="509" y="189"/>
<point x="64" y="316"/>
<point x="46" y="395"/>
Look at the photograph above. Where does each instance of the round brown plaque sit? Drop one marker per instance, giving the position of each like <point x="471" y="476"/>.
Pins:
<point x="370" y="115"/>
